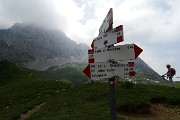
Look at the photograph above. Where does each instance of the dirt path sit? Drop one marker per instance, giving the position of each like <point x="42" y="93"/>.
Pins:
<point x="158" y="112"/>
<point x="30" y="112"/>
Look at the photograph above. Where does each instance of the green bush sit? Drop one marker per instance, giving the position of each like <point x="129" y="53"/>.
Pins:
<point x="127" y="85"/>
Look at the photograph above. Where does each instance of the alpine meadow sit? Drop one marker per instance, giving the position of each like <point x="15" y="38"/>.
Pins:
<point x="89" y="60"/>
<point x="64" y="92"/>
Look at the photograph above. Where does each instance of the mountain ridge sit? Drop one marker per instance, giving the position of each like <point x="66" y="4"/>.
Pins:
<point x="38" y="48"/>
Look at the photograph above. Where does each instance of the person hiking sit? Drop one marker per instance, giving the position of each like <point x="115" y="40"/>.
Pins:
<point x="169" y="74"/>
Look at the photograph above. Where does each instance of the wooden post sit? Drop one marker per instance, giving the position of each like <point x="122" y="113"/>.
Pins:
<point x="112" y="98"/>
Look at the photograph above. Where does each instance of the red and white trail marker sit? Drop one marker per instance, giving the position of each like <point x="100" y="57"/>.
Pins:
<point x="107" y="22"/>
<point x="99" y="71"/>
<point x="114" y="53"/>
<point x="109" y="38"/>
<point x="104" y="57"/>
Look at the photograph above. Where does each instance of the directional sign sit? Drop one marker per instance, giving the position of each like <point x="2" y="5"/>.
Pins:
<point x="114" y="53"/>
<point x="107" y="22"/>
<point x="109" y="38"/>
<point x="98" y="71"/>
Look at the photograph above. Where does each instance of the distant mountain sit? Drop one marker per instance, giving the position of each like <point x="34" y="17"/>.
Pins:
<point x="38" y="48"/>
<point x="144" y="72"/>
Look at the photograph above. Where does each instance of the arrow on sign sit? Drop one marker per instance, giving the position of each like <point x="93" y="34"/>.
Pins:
<point x="98" y="71"/>
<point x="107" y="22"/>
<point x="114" y="53"/>
<point x="109" y="38"/>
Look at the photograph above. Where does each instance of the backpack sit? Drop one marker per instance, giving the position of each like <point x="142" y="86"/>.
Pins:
<point x="173" y="71"/>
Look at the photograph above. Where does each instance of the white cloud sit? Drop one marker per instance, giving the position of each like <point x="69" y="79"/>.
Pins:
<point x="41" y="12"/>
<point x="142" y="20"/>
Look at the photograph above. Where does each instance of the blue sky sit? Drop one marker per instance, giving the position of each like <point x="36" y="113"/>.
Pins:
<point x="153" y="25"/>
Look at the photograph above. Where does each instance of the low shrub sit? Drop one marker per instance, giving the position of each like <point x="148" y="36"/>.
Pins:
<point x="127" y="85"/>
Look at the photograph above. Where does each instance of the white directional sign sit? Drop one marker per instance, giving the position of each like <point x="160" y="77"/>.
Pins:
<point x="107" y="60"/>
<point x="109" y="38"/>
<point x="107" y="22"/>
<point x="98" y="71"/>
<point x="114" y="53"/>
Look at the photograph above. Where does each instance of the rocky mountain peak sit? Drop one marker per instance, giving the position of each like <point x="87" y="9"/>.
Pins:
<point x="38" y="48"/>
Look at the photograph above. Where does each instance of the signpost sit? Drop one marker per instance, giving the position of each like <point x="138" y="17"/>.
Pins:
<point x="109" y="38"/>
<point x="107" y="61"/>
<point x="100" y="71"/>
<point x="112" y="86"/>
<point x="115" y="53"/>
<point x="107" y="22"/>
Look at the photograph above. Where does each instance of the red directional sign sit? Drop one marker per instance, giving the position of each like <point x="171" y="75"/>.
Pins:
<point x="109" y="38"/>
<point x="107" y="22"/>
<point x="114" y="53"/>
<point x="98" y="71"/>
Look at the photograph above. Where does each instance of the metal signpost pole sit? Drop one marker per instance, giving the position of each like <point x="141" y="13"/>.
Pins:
<point x="112" y="88"/>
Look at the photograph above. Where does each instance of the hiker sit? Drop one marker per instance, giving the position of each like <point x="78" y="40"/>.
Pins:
<point x="169" y="74"/>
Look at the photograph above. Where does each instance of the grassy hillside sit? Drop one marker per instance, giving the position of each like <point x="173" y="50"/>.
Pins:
<point x="21" y="90"/>
<point x="20" y="96"/>
<point x="72" y="72"/>
<point x="89" y="101"/>
<point x="26" y="90"/>
<point x="10" y="72"/>
<point x="69" y="72"/>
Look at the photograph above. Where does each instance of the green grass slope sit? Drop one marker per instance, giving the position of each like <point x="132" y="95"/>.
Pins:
<point x="91" y="101"/>
<point x="71" y="72"/>
<point x="21" y="90"/>
<point x="88" y="101"/>
<point x="63" y="101"/>
<point x="20" y="96"/>
<point x="10" y="72"/>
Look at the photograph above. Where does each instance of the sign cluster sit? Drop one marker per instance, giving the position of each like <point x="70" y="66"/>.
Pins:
<point x="105" y="59"/>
